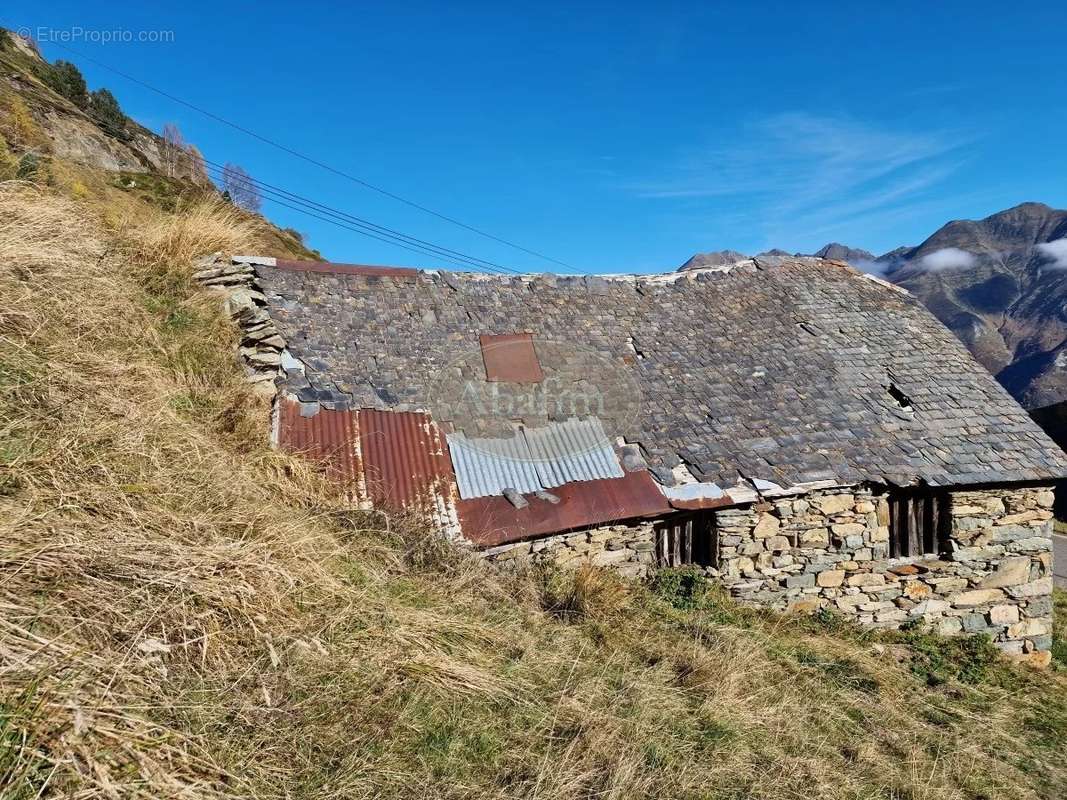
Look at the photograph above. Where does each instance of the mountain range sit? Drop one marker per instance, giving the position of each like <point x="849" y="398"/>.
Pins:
<point x="999" y="283"/>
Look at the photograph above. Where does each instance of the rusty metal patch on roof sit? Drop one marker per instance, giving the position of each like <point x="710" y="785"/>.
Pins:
<point x="329" y="436"/>
<point x="399" y="460"/>
<point x="510" y="358"/>
<point x="391" y="459"/>
<point x="404" y="458"/>
<point x="347" y="269"/>
<point x="489" y="521"/>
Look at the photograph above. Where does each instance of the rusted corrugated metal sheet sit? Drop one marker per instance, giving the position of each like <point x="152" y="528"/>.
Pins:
<point x="489" y="521"/>
<point x="328" y="436"/>
<point x="405" y="462"/>
<point x="348" y="269"/>
<point x="399" y="460"/>
<point x="511" y="358"/>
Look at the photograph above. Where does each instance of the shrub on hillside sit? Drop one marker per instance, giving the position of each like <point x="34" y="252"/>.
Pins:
<point x="66" y="79"/>
<point x="107" y="113"/>
<point x="29" y="167"/>
<point x="685" y="588"/>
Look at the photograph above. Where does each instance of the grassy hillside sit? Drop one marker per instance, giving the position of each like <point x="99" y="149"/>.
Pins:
<point x="186" y="613"/>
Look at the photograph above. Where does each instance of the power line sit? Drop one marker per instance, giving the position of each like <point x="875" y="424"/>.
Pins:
<point x="277" y="193"/>
<point x="309" y="211"/>
<point x="315" y="161"/>
<point x="325" y="214"/>
<point x="355" y="224"/>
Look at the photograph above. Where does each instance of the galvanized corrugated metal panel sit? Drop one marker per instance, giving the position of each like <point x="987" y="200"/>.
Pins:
<point x="575" y="450"/>
<point x="328" y="436"/>
<point x="404" y="459"/>
<point x="486" y="467"/>
<point x="693" y="491"/>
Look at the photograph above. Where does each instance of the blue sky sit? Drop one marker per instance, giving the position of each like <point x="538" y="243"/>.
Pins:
<point x="612" y="137"/>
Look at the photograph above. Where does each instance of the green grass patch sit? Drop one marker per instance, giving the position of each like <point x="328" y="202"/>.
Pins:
<point x="683" y="588"/>
<point x="937" y="660"/>
<point x="1059" y="629"/>
<point x="842" y="672"/>
<point x="24" y="769"/>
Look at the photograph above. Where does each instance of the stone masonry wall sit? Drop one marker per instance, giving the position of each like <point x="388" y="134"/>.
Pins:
<point x="830" y="549"/>
<point x="628" y="549"/>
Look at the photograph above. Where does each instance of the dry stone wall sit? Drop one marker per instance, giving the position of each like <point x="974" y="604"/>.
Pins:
<point x="627" y="549"/>
<point x="830" y="549"/>
<point x="262" y="351"/>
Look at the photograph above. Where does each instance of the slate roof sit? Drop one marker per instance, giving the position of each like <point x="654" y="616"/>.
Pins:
<point x="788" y="370"/>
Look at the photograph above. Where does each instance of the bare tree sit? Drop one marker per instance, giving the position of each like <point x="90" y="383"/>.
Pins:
<point x="196" y="165"/>
<point x="173" y="150"/>
<point x="240" y="188"/>
<point x="179" y="158"/>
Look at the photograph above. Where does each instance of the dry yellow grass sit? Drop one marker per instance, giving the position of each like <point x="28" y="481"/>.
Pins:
<point x="185" y="613"/>
<point x="17" y="124"/>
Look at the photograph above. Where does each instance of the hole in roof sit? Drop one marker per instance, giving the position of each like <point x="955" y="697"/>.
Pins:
<point x="899" y="397"/>
<point x="632" y="344"/>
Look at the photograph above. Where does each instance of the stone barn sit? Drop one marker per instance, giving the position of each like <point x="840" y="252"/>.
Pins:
<point x="807" y="434"/>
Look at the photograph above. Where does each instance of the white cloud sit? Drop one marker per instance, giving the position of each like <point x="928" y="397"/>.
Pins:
<point x="800" y="175"/>
<point x="1056" y="251"/>
<point x="948" y="258"/>
<point x="872" y="267"/>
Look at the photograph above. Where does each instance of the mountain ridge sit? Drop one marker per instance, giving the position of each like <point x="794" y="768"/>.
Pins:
<point x="997" y="284"/>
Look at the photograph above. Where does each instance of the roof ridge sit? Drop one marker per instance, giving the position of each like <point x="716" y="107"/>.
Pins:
<point x="671" y="276"/>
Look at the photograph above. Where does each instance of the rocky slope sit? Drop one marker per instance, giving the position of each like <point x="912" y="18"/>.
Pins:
<point x="39" y="119"/>
<point x="713" y="259"/>
<point x="841" y="252"/>
<point x="1004" y="298"/>
<point x="999" y="284"/>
